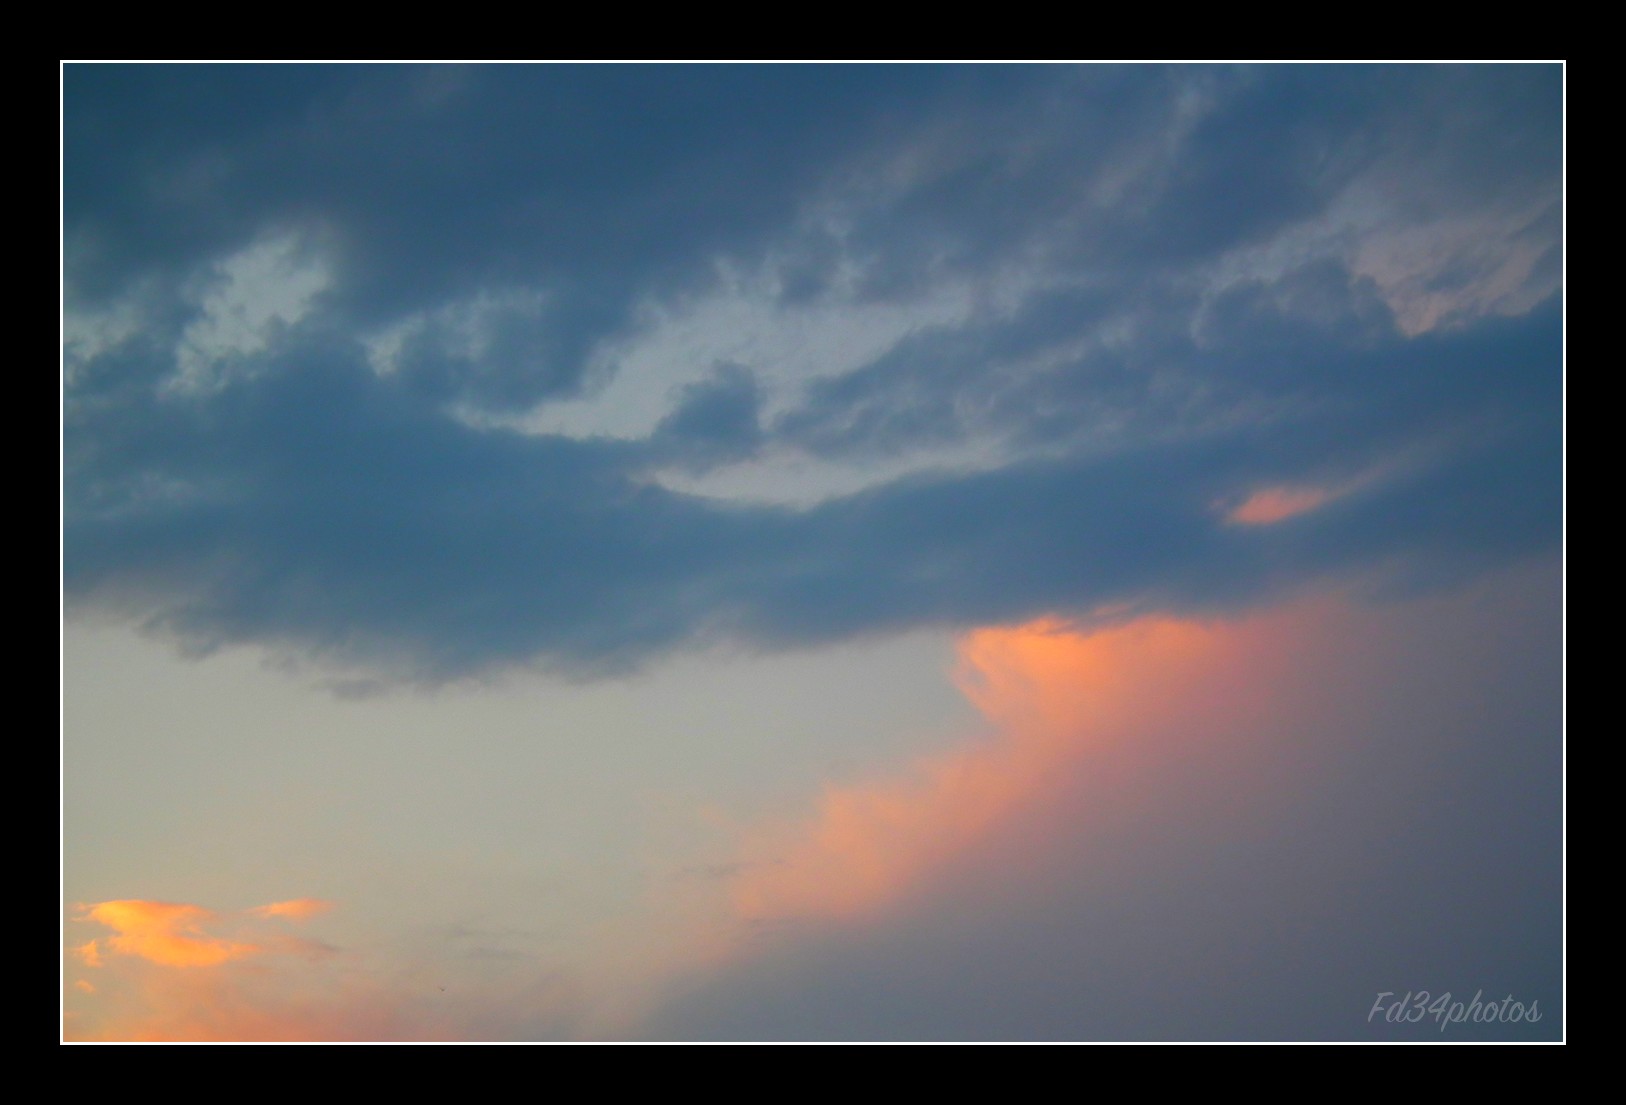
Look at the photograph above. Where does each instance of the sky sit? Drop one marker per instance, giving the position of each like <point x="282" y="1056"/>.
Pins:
<point x="812" y="553"/>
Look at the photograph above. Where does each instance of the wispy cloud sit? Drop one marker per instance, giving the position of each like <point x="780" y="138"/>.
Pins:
<point x="1270" y="505"/>
<point x="297" y="909"/>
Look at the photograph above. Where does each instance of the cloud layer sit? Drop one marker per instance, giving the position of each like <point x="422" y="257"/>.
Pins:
<point x="1060" y="321"/>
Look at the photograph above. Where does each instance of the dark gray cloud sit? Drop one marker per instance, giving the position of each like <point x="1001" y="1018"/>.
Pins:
<point x="715" y="421"/>
<point x="599" y="183"/>
<point x="1193" y="306"/>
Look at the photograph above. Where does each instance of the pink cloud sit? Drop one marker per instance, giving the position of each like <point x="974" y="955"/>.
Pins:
<point x="295" y="909"/>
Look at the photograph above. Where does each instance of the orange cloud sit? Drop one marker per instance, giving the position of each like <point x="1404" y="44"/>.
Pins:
<point x="246" y="979"/>
<point x="294" y="989"/>
<point x="1277" y="504"/>
<point x="167" y="933"/>
<point x="1061" y="702"/>
<point x="296" y="909"/>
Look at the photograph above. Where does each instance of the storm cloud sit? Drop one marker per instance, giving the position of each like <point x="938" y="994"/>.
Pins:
<point x="433" y="371"/>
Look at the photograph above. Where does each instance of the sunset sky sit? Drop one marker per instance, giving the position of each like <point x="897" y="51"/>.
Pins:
<point x="812" y="553"/>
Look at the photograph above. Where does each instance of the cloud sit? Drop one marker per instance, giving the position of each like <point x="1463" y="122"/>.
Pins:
<point x="715" y="421"/>
<point x="1237" y="828"/>
<point x="1014" y="331"/>
<point x="1062" y="701"/>
<point x="1270" y="505"/>
<point x="1223" y="827"/>
<point x="167" y="933"/>
<point x="296" y="909"/>
<point x="171" y="979"/>
<point x="416" y="374"/>
<point x="320" y="511"/>
<point x="252" y="298"/>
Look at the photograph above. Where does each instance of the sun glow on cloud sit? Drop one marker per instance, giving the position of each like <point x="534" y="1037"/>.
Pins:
<point x="1277" y="504"/>
<point x="167" y="933"/>
<point x="1155" y="737"/>
<point x="1061" y="702"/>
<point x="169" y="973"/>
<point x="297" y="909"/>
<point x="171" y="977"/>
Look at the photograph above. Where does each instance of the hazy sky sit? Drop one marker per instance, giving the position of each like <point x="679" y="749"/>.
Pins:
<point x="812" y="552"/>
